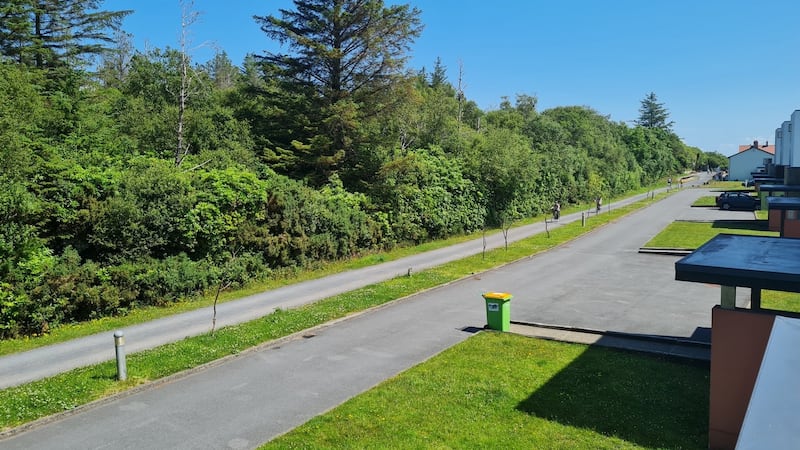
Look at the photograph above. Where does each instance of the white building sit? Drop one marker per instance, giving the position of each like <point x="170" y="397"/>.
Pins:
<point x="742" y="164"/>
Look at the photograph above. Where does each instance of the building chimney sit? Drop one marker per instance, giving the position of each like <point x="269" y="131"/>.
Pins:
<point x="755" y="144"/>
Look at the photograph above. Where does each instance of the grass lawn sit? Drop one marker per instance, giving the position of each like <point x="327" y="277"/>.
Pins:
<point x="498" y="390"/>
<point x="709" y="200"/>
<point x="690" y="235"/>
<point x="727" y="186"/>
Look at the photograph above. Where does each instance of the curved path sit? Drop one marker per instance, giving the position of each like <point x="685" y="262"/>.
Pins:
<point x="597" y="281"/>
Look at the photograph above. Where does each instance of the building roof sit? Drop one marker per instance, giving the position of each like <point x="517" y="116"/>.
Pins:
<point x="763" y="150"/>
<point x="767" y="148"/>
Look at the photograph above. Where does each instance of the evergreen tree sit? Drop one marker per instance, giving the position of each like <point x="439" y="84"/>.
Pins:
<point x="222" y="71"/>
<point x="653" y="114"/>
<point x="50" y="33"/>
<point x="345" y="55"/>
<point x="439" y="75"/>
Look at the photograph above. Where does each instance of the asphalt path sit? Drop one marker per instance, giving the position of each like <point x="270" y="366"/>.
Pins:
<point x="19" y="368"/>
<point x="598" y="281"/>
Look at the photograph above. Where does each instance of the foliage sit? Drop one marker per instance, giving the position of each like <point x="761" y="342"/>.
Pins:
<point x="713" y="160"/>
<point x="428" y="197"/>
<point x="331" y="150"/>
<point x="53" y="33"/>
<point x="653" y="114"/>
<point x="345" y="56"/>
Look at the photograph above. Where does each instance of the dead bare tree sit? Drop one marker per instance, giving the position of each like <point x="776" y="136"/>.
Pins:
<point x="460" y="92"/>
<point x="188" y="18"/>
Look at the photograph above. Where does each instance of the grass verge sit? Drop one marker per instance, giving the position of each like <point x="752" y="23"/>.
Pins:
<point x="690" y="235"/>
<point x="498" y="390"/>
<point x="707" y="201"/>
<point x="31" y="401"/>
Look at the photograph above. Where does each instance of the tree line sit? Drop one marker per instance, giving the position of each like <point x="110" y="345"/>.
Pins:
<point x="149" y="178"/>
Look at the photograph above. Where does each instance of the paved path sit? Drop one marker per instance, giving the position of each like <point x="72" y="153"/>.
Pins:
<point x="28" y="366"/>
<point x="262" y="393"/>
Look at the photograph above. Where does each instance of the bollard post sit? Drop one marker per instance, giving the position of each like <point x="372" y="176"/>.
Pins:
<point x="119" y="346"/>
<point x="583" y="219"/>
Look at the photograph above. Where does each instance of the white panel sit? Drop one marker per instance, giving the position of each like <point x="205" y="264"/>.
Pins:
<point x="771" y="421"/>
<point x="787" y="143"/>
<point x="795" y="158"/>
<point x="778" y="145"/>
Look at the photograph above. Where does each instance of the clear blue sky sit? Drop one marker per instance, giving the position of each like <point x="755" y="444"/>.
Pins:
<point x="727" y="70"/>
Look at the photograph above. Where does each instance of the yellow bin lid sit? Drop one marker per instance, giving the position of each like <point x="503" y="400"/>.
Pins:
<point x="505" y="296"/>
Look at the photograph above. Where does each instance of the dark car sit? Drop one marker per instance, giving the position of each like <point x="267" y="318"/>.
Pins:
<point x="737" y="200"/>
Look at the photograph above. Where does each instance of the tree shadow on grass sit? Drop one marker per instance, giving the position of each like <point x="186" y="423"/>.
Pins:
<point x="649" y="400"/>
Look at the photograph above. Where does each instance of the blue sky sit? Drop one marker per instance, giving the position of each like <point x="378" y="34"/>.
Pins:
<point x="727" y="70"/>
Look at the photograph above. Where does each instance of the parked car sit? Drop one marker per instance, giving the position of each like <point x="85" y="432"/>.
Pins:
<point x="737" y="200"/>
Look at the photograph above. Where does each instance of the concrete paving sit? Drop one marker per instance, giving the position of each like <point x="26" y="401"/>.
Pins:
<point x="598" y="282"/>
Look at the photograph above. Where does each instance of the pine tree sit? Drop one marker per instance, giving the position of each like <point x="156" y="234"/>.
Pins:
<point x="653" y="114"/>
<point x="439" y="75"/>
<point x="51" y="33"/>
<point x="344" y="58"/>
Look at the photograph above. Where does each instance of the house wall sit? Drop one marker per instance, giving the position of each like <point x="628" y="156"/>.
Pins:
<point x="742" y="163"/>
<point x="738" y="340"/>
<point x="795" y="156"/>
<point x="780" y="157"/>
<point x="774" y="220"/>
<point x="786" y="141"/>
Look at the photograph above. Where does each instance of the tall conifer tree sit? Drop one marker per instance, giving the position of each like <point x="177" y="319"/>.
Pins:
<point x="653" y="114"/>
<point x="51" y="33"/>
<point x="343" y="58"/>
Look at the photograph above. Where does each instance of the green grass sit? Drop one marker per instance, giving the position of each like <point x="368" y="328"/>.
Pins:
<point x="779" y="300"/>
<point x="690" y="235"/>
<point x="22" y="404"/>
<point x="727" y="186"/>
<point x="498" y="390"/>
<point x="710" y="200"/>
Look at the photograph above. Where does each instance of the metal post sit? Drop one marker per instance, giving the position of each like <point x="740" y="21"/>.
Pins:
<point x="119" y="346"/>
<point x="583" y="219"/>
<point x="728" y="297"/>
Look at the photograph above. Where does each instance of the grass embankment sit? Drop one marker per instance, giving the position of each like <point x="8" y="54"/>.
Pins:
<point x="497" y="390"/>
<point x="66" y="391"/>
<point x="690" y="235"/>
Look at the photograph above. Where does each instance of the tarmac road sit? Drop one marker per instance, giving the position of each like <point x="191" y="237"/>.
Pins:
<point x="598" y="281"/>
